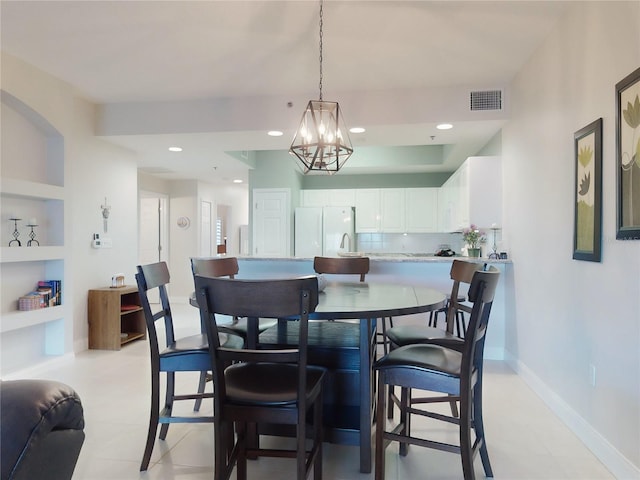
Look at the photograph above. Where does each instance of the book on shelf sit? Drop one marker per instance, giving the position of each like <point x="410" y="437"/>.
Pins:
<point x="48" y="293"/>
<point x="56" y="290"/>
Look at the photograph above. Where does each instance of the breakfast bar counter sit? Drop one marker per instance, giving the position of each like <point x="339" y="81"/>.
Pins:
<point x="405" y="269"/>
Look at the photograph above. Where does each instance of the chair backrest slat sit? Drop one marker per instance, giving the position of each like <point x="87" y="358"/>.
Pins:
<point x="149" y="277"/>
<point x="215" y="266"/>
<point x="342" y="265"/>
<point x="481" y="294"/>
<point x="462" y="272"/>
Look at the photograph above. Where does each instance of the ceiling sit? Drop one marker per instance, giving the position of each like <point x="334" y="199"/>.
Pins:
<point x="396" y="67"/>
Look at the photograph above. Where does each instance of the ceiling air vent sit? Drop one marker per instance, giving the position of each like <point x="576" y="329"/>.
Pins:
<point x="486" y="100"/>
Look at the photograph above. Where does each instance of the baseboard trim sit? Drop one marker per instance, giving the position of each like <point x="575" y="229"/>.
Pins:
<point x="611" y="458"/>
<point x="36" y="370"/>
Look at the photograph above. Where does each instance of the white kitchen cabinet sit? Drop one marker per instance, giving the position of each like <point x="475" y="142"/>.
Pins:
<point x="333" y="197"/>
<point x="342" y="197"/>
<point x="397" y="210"/>
<point x="314" y="198"/>
<point x="421" y="210"/>
<point x="368" y="213"/>
<point x="472" y="195"/>
<point x="392" y="210"/>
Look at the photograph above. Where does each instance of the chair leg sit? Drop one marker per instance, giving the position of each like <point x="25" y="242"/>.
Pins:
<point x="318" y="437"/>
<point x="380" y="426"/>
<point x="168" y="402"/>
<point x="478" y="423"/>
<point x="223" y="450"/>
<point x="241" y="464"/>
<point x="405" y="418"/>
<point x="466" y="447"/>
<point x="201" y="384"/>
<point x="153" y="420"/>
<point x="301" y="452"/>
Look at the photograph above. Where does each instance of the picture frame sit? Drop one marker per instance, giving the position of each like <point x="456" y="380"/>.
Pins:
<point x="628" y="156"/>
<point x="587" y="231"/>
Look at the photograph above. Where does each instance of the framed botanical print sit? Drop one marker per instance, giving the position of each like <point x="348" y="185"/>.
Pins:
<point x="628" y="156"/>
<point x="587" y="231"/>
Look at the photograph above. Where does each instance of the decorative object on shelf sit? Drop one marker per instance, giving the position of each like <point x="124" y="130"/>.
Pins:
<point x="587" y="227"/>
<point x="32" y="235"/>
<point x="117" y="280"/>
<point x="15" y="233"/>
<point x="473" y="237"/>
<point x="106" y="210"/>
<point x="628" y="156"/>
<point x="322" y="142"/>
<point x="494" y="254"/>
<point x="183" y="222"/>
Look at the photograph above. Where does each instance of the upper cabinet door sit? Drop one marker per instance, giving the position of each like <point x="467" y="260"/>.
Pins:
<point x="421" y="210"/>
<point x="392" y="203"/>
<point x="314" y="198"/>
<point x="342" y="197"/>
<point x="334" y="197"/>
<point x="367" y="210"/>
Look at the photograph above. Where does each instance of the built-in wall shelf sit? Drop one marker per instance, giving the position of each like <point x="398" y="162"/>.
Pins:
<point x="30" y="254"/>
<point x="35" y="190"/>
<point x="31" y="189"/>
<point x="17" y="320"/>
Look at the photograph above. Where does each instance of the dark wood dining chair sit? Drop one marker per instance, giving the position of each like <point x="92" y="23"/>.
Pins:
<point x="461" y="273"/>
<point x="342" y="265"/>
<point x="227" y="267"/>
<point x="445" y="371"/>
<point x="265" y="386"/>
<point x="351" y="266"/>
<point x="189" y="354"/>
<point x="223" y="267"/>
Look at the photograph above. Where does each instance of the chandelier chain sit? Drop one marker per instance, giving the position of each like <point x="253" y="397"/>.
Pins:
<point x="320" y="84"/>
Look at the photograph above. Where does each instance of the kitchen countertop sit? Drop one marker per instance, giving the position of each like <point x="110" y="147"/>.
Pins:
<point x="393" y="257"/>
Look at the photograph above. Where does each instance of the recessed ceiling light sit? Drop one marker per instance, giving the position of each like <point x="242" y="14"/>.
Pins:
<point x="444" y="126"/>
<point x="175" y="149"/>
<point x="237" y="180"/>
<point x="357" y="130"/>
<point x="274" y="133"/>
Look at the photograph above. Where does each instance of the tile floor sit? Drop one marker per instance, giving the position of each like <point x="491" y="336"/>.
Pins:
<point x="526" y="441"/>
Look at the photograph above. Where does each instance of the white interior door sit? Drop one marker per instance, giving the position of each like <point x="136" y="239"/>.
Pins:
<point x="271" y="222"/>
<point x="206" y="227"/>
<point x="152" y="229"/>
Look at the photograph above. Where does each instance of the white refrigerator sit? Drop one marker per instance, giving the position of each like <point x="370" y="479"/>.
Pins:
<point x="319" y="231"/>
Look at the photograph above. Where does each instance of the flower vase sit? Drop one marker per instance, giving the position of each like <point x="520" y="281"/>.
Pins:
<point x="474" y="252"/>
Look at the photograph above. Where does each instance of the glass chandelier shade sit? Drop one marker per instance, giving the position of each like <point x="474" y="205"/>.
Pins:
<point x="322" y="142"/>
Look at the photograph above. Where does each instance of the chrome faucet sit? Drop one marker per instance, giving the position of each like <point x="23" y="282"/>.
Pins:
<point x="342" y="241"/>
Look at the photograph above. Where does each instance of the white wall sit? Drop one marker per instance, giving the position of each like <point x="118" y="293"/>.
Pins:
<point x="573" y="314"/>
<point x="94" y="170"/>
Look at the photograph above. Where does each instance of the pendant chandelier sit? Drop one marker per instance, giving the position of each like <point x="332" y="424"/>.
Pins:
<point x="321" y="142"/>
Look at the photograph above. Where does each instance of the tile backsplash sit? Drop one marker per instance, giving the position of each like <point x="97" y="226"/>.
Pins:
<point x="408" y="243"/>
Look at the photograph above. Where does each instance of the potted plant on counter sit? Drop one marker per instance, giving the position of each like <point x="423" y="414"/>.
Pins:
<point x="474" y="237"/>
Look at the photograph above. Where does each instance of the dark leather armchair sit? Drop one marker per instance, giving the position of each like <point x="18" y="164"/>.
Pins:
<point x="41" y="430"/>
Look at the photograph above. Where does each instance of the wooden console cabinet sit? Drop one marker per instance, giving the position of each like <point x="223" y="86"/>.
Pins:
<point x="115" y="317"/>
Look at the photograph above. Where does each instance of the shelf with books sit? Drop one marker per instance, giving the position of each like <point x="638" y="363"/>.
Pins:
<point x="32" y="189"/>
